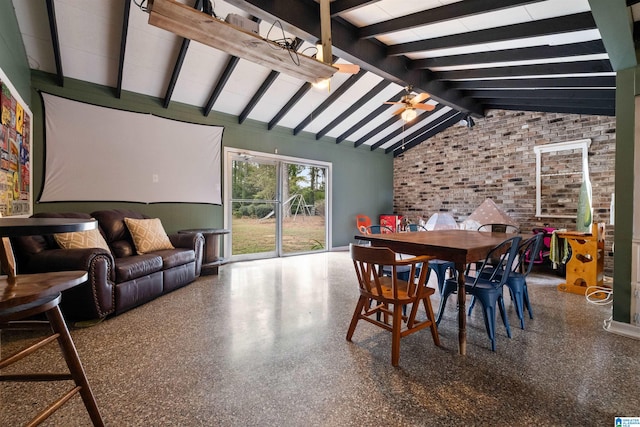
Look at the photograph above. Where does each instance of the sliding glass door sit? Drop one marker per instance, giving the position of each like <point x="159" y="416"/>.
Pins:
<point x="275" y="205"/>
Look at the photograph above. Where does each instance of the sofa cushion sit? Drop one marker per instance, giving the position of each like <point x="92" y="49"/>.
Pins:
<point x="148" y="235"/>
<point x="112" y="223"/>
<point x="122" y="248"/>
<point x="82" y="240"/>
<point x="174" y="257"/>
<point x="135" y="266"/>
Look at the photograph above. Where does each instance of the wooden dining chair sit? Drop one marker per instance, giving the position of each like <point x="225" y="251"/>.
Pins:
<point x="382" y="297"/>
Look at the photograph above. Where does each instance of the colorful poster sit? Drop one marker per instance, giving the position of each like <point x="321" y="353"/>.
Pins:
<point x="19" y="118"/>
<point x="15" y="152"/>
<point x="5" y="103"/>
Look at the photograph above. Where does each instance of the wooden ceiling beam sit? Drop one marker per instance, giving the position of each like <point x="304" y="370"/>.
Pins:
<point x="289" y="105"/>
<point x="580" y="67"/>
<point x="55" y="41"/>
<point x="330" y="100"/>
<point x="301" y="18"/>
<point x="568" y="94"/>
<point x="542" y="27"/>
<point x="591" y="47"/>
<point x="447" y="120"/>
<point x="187" y="22"/>
<point x="546" y="82"/>
<point x="123" y="47"/>
<point x="353" y="107"/>
<point x="262" y="90"/>
<point x="368" y="118"/>
<point x="222" y="81"/>
<point x="178" y="65"/>
<point x="571" y="109"/>
<point x="343" y="6"/>
<point x="438" y="14"/>
<point x="422" y="116"/>
<point x="577" y="105"/>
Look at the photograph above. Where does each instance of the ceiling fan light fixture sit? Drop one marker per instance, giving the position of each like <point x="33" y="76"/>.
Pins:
<point x="321" y="84"/>
<point x="408" y="114"/>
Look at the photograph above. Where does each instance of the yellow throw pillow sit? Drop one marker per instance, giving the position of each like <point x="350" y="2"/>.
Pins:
<point x="81" y="240"/>
<point x="148" y="235"/>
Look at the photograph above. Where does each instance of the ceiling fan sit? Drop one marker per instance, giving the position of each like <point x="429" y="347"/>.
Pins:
<point x="410" y="103"/>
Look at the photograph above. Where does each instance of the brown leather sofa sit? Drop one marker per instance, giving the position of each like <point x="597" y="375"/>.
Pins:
<point x="120" y="280"/>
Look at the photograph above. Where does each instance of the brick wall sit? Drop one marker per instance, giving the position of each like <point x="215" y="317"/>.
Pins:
<point x="457" y="169"/>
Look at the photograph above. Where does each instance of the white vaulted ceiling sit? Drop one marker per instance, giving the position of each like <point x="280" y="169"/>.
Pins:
<point x="470" y="56"/>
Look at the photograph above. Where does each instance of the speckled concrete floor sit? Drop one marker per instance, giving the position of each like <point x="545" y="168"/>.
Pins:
<point x="263" y="344"/>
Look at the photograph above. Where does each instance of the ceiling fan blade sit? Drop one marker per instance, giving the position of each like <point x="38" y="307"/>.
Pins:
<point x="393" y="103"/>
<point x="425" y="107"/>
<point x="347" y="68"/>
<point x="420" y="97"/>
<point x="398" y="111"/>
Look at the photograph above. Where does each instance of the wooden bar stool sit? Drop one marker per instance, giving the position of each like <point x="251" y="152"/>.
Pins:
<point x="27" y="295"/>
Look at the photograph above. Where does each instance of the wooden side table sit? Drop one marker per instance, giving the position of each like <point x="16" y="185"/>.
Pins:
<point x="211" y="258"/>
<point x="586" y="265"/>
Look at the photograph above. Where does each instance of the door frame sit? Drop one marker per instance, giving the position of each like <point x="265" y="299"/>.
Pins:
<point x="229" y="152"/>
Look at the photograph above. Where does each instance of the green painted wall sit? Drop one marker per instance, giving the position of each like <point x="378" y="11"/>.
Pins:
<point x="362" y="180"/>
<point x="13" y="57"/>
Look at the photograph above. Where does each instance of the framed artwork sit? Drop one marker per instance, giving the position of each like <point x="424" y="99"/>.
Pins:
<point x="15" y="152"/>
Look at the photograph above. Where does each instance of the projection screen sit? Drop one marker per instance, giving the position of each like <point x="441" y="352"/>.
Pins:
<point x="101" y="154"/>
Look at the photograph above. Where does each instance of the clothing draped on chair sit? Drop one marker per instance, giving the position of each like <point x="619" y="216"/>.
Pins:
<point x="382" y="297"/>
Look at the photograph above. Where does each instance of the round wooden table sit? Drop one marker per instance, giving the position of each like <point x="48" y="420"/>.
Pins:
<point x="211" y="259"/>
<point x="13" y="227"/>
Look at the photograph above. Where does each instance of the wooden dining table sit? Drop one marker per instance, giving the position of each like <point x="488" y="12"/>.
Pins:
<point x="460" y="246"/>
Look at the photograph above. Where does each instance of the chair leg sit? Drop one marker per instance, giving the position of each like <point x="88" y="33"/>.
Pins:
<point x="73" y="362"/>
<point x="527" y="303"/>
<point x="362" y="301"/>
<point x="446" y="291"/>
<point x="431" y="316"/>
<point x="473" y="302"/>
<point x="503" y="313"/>
<point x="490" y="323"/>
<point x="518" y="301"/>
<point x="395" y="334"/>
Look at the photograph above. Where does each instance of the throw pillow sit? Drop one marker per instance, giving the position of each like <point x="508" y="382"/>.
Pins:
<point x="81" y="240"/>
<point x="148" y="235"/>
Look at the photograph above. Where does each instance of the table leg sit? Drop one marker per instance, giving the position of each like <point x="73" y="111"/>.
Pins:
<point x="462" y="316"/>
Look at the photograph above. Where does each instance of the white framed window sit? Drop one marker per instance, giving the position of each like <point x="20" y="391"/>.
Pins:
<point x="560" y="170"/>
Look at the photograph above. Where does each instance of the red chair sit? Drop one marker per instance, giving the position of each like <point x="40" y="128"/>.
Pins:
<point x="362" y="223"/>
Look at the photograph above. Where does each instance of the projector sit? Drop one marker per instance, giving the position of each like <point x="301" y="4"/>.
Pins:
<point x="243" y="23"/>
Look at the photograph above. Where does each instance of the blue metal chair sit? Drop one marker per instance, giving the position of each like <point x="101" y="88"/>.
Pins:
<point x="486" y="285"/>
<point x="517" y="281"/>
<point x="378" y="229"/>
